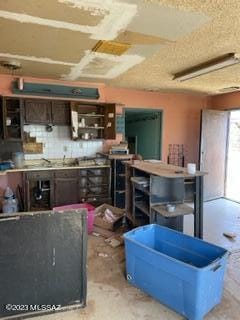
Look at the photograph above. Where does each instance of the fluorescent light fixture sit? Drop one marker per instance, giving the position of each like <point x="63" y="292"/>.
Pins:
<point x="207" y="67"/>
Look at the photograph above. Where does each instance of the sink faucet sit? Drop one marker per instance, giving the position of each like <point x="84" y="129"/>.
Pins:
<point x="48" y="161"/>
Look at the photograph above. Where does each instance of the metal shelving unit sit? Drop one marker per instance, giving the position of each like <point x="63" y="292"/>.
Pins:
<point x="148" y="195"/>
<point x="119" y="179"/>
<point x="95" y="185"/>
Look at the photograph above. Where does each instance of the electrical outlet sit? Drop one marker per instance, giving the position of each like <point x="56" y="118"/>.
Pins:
<point x="65" y="148"/>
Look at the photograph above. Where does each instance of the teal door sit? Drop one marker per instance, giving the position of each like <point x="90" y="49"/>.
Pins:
<point x="146" y="126"/>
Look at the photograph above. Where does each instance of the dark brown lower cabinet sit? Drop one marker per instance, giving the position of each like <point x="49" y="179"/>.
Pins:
<point x="47" y="189"/>
<point x="66" y="191"/>
<point x="39" y="190"/>
<point x="66" y="187"/>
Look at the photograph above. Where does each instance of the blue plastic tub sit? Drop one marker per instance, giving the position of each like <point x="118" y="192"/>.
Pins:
<point x="184" y="273"/>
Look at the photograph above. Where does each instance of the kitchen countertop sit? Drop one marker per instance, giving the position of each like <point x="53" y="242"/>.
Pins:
<point x="36" y="167"/>
<point x="163" y="169"/>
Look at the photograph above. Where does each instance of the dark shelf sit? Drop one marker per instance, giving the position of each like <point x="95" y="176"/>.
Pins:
<point x="141" y="205"/>
<point x="142" y="189"/>
<point x="97" y="185"/>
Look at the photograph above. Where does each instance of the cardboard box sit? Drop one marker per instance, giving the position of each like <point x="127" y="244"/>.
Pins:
<point x="99" y="217"/>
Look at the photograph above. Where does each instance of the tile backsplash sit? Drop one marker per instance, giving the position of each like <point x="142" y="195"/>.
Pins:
<point x="58" y="143"/>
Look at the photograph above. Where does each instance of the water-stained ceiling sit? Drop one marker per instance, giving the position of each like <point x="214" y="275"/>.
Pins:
<point x="149" y="41"/>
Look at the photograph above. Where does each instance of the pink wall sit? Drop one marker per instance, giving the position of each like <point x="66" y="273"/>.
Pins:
<point x="181" y="112"/>
<point x="181" y="115"/>
<point x="226" y="101"/>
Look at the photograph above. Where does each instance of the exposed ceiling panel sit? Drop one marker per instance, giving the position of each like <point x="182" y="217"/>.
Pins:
<point x="101" y="65"/>
<point x="43" y="70"/>
<point x="41" y="41"/>
<point x="165" y="22"/>
<point x="217" y="37"/>
<point x="166" y="36"/>
<point x="137" y="38"/>
<point x="53" y="9"/>
<point x="111" y="47"/>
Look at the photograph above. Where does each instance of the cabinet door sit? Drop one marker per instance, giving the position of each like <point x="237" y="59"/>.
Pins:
<point x="34" y="198"/>
<point x="1" y="117"/>
<point x="61" y="113"/>
<point x="110" y="121"/>
<point x="37" y="111"/>
<point x="66" y="191"/>
<point x="12" y="127"/>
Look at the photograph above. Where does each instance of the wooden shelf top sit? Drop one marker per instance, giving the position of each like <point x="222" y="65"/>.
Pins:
<point x="90" y="115"/>
<point x="180" y="210"/>
<point x="163" y="169"/>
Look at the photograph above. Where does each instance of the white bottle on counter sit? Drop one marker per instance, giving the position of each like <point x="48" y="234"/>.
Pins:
<point x="18" y="159"/>
<point x="10" y="203"/>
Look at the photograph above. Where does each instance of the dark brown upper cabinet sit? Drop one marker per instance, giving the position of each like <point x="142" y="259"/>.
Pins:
<point x="110" y="121"/>
<point x="38" y="111"/>
<point x="11" y="127"/>
<point x="61" y="112"/>
<point x="93" y="121"/>
<point x="1" y="117"/>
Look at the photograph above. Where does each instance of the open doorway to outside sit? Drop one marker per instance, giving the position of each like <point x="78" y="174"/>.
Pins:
<point x="220" y="154"/>
<point x="233" y="158"/>
<point x="143" y="132"/>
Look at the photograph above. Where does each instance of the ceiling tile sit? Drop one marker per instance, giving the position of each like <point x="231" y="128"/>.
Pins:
<point x="41" y="41"/>
<point x="53" y="9"/>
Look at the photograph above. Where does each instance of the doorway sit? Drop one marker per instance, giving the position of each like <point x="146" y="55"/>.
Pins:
<point x="233" y="158"/>
<point x="213" y="152"/>
<point x="143" y="132"/>
<point x="220" y="154"/>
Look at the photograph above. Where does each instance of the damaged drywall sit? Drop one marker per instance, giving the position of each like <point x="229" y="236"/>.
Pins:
<point x="114" y="65"/>
<point x="35" y="59"/>
<point x="63" y="43"/>
<point x="118" y="15"/>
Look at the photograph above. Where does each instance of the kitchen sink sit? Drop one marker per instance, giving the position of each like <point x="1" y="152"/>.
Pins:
<point x="49" y="165"/>
<point x="52" y="165"/>
<point x="60" y="164"/>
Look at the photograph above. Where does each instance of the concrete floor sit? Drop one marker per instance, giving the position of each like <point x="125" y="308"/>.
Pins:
<point x="219" y="216"/>
<point x="111" y="298"/>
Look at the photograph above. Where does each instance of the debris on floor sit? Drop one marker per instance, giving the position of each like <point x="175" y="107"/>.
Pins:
<point x="102" y="232"/>
<point x="115" y="241"/>
<point x="230" y="235"/>
<point x="95" y="234"/>
<point x="119" y="256"/>
<point x="103" y="255"/>
<point x="108" y="217"/>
